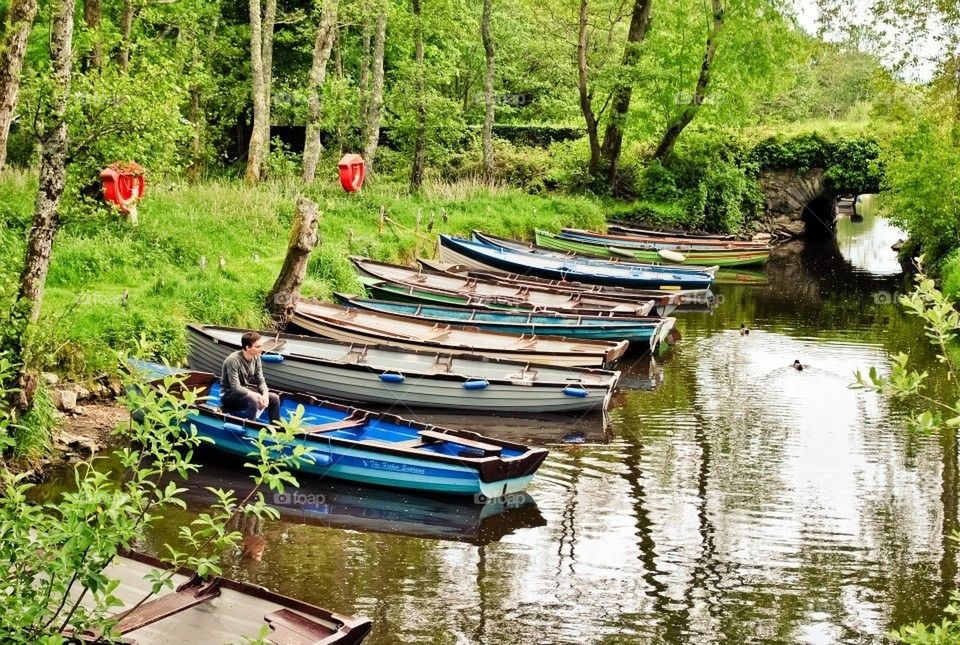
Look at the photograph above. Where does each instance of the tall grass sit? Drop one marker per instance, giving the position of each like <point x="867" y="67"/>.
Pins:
<point x="210" y="253"/>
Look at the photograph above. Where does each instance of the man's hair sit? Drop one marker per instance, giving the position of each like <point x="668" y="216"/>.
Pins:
<point x="248" y="339"/>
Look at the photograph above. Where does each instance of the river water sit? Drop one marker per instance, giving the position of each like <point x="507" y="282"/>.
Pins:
<point x="729" y="499"/>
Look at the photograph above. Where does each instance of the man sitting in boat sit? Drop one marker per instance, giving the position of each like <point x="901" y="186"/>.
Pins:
<point x="243" y="390"/>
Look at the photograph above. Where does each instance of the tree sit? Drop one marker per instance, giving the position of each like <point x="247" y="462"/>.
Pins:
<point x="13" y="48"/>
<point x="91" y="17"/>
<point x="127" y="14"/>
<point x="53" y="176"/>
<point x="373" y="104"/>
<point x="420" y="137"/>
<point x="665" y="147"/>
<point x="623" y="91"/>
<point x="585" y="94"/>
<point x="285" y="293"/>
<point x="488" y="92"/>
<point x="261" y="63"/>
<point x="326" y="33"/>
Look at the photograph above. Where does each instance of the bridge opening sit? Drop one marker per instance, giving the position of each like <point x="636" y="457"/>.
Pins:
<point x="818" y="218"/>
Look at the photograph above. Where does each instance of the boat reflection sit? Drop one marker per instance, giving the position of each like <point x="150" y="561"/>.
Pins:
<point x="338" y="505"/>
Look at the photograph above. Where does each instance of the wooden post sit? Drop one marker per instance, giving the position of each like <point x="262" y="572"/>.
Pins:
<point x="285" y="294"/>
<point x="383" y="213"/>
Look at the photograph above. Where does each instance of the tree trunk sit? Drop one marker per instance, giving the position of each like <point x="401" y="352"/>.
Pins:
<point x="419" y="143"/>
<point x="126" y="34"/>
<point x="91" y="17"/>
<point x="195" y="116"/>
<point x="586" y="96"/>
<point x="364" y="83"/>
<point x="622" y="93"/>
<point x="690" y="111"/>
<point x="488" y="92"/>
<point x="258" y="81"/>
<point x="326" y="32"/>
<point x="13" y="48"/>
<point x="53" y="174"/>
<point x="269" y="20"/>
<point x="375" y="105"/>
<point x="285" y="294"/>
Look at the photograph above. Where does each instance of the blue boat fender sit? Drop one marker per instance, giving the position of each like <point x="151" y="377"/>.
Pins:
<point x="392" y="377"/>
<point x="577" y="390"/>
<point x="476" y="384"/>
<point x="271" y="358"/>
<point x="318" y="458"/>
<point x="237" y="431"/>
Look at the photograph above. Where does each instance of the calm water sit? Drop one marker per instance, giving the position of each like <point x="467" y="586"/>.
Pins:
<point x="730" y="498"/>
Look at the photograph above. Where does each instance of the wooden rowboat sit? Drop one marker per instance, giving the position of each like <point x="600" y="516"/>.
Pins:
<point x="357" y="326"/>
<point x="416" y="285"/>
<point x="460" y="251"/>
<point x="388" y="376"/>
<point x="216" y="610"/>
<point x="641" y="333"/>
<point x="666" y="302"/>
<point x="380" y="449"/>
<point x="627" y="229"/>
<point x="659" y="242"/>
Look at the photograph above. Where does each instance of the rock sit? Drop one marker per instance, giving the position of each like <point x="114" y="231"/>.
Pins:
<point x="64" y="400"/>
<point x="50" y="378"/>
<point x="82" y="393"/>
<point x="77" y="443"/>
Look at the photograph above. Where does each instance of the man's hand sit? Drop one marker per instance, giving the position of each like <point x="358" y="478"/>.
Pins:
<point x="264" y="401"/>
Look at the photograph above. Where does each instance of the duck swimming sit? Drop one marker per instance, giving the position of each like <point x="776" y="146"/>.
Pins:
<point x="797" y="365"/>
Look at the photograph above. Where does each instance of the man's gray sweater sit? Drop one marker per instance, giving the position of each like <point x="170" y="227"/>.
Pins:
<point x="240" y="376"/>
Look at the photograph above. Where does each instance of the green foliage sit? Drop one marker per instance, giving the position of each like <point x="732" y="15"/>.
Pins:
<point x="524" y="167"/>
<point x="851" y="165"/>
<point x="59" y="552"/>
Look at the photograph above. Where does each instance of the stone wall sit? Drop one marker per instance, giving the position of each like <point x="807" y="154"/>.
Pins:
<point x="787" y="194"/>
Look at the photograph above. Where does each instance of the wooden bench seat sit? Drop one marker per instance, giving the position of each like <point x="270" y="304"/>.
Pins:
<point x="353" y="421"/>
<point x="290" y="628"/>
<point x="488" y="449"/>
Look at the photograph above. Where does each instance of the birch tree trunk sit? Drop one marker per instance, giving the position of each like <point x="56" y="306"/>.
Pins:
<point x="127" y="13"/>
<point x="53" y="174"/>
<point x="258" y="87"/>
<point x="488" y="92"/>
<point x="623" y="92"/>
<point x="322" y="45"/>
<point x="372" y="126"/>
<point x="20" y="16"/>
<point x="586" y="96"/>
<point x="285" y="294"/>
<point x="703" y="80"/>
<point x="269" y="20"/>
<point x="364" y="84"/>
<point x="419" y="143"/>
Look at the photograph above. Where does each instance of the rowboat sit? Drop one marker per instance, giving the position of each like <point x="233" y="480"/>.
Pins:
<point x="405" y="284"/>
<point x="645" y="333"/>
<point x="372" y="328"/>
<point x="564" y="255"/>
<point x="460" y="251"/>
<point x="386" y="376"/>
<point x="214" y="610"/>
<point x="373" y="448"/>
<point x="673" y="254"/>
<point x="666" y="302"/>
<point x="626" y="229"/>
<point x="660" y="242"/>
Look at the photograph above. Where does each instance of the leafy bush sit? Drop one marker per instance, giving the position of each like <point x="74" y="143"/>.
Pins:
<point x="523" y="167"/>
<point x="851" y="165"/>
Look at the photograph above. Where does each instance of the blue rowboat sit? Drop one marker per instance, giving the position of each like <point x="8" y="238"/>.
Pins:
<point x="375" y="448"/>
<point x="455" y="250"/>
<point x="643" y="333"/>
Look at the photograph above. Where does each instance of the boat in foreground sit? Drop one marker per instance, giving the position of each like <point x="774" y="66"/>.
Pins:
<point x="359" y="326"/>
<point x="386" y="376"/>
<point x="215" y="610"/>
<point x="374" y="448"/>
<point x="460" y="251"/>
<point x="642" y="333"/>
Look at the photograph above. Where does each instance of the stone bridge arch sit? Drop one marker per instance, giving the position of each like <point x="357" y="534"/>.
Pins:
<point x="798" y="203"/>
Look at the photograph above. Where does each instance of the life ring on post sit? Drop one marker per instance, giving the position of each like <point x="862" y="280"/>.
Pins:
<point x="124" y="185"/>
<point x="352" y="172"/>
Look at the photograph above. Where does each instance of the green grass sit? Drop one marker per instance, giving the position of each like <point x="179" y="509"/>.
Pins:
<point x="113" y="286"/>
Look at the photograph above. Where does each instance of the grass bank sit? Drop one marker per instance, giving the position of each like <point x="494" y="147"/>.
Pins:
<point x="113" y="286"/>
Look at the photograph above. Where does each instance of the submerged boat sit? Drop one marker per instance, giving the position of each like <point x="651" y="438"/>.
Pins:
<point x="358" y="326"/>
<point x="460" y="251"/>
<point x="663" y="253"/>
<point x="215" y="610"/>
<point x="389" y="376"/>
<point x="666" y="302"/>
<point x="414" y="285"/>
<point x="374" y="448"/>
<point x="644" y="333"/>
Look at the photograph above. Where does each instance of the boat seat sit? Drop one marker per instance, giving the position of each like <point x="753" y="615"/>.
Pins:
<point x="356" y="355"/>
<point x="188" y="595"/>
<point x="290" y="628"/>
<point x="488" y="449"/>
<point x="444" y="363"/>
<point x="353" y="421"/>
<point x="440" y="335"/>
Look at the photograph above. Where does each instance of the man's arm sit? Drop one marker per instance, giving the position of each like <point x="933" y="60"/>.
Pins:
<point x="262" y="382"/>
<point x="232" y="368"/>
